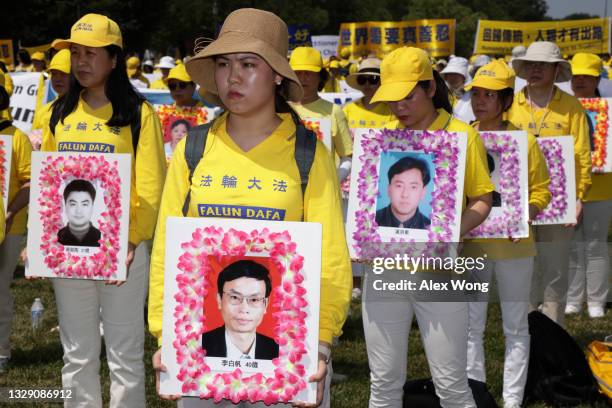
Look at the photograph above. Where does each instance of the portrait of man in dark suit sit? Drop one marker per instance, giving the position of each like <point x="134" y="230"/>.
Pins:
<point x="79" y="197"/>
<point x="243" y="296"/>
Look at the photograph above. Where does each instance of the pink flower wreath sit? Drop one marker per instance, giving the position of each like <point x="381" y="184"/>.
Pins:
<point x="445" y="147"/>
<point x="509" y="222"/>
<point x="553" y="153"/>
<point x="3" y="153"/>
<point x="102" y="264"/>
<point x="290" y="331"/>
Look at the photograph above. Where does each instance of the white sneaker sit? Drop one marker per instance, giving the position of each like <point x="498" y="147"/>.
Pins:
<point x="356" y="293"/>
<point x="596" y="311"/>
<point x="572" y="309"/>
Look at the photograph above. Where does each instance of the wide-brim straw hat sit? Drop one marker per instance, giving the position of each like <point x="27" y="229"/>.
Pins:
<point x="369" y="66"/>
<point x="543" y="51"/>
<point x="247" y="30"/>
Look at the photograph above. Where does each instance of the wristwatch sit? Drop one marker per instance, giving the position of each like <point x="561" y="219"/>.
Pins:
<point x="325" y="352"/>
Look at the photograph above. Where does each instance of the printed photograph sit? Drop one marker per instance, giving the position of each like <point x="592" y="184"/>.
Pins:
<point x="79" y="205"/>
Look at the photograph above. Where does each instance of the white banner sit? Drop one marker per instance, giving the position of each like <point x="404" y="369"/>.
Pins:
<point x="23" y="100"/>
<point x="326" y="44"/>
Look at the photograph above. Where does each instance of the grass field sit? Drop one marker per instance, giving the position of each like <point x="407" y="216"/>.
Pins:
<point x="37" y="356"/>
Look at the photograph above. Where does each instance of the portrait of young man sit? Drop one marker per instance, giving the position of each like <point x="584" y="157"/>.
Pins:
<point x="79" y="197"/>
<point x="243" y="298"/>
<point x="408" y="180"/>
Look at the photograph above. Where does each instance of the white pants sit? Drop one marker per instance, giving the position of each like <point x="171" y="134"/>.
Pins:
<point x="194" y="402"/>
<point x="80" y="304"/>
<point x="9" y="256"/>
<point x="513" y="282"/>
<point x="443" y="325"/>
<point x="549" y="283"/>
<point x="590" y="260"/>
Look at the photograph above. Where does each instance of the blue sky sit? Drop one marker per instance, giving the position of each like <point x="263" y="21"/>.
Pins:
<point x="561" y="8"/>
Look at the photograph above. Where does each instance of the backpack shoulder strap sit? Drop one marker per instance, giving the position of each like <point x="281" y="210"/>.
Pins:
<point x="195" y="144"/>
<point x="305" y="149"/>
<point x="4" y="124"/>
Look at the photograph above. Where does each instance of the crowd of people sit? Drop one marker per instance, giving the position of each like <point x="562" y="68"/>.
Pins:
<point x="264" y="92"/>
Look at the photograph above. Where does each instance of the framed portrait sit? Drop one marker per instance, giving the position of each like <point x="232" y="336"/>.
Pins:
<point x="559" y="155"/>
<point x="406" y="188"/>
<point x="321" y="128"/>
<point x="79" y="215"/>
<point x="6" y="154"/>
<point x="598" y="115"/>
<point x="241" y="305"/>
<point x="508" y="169"/>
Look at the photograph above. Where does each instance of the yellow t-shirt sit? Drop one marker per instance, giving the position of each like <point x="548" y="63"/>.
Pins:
<point x="342" y="142"/>
<point x="358" y="116"/>
<point x="160" y="83"/>
<point x="20" y="174"/>
<point x="539" y="195"/>
<point x="42" y="116"/>
<point x="85" y="130"/>
<point x="229" y="182"/>
<point x="8" y="86"/>
<point x="564" y="116"/>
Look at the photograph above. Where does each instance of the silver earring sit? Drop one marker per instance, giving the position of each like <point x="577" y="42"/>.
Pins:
<point x="279" y="82"/>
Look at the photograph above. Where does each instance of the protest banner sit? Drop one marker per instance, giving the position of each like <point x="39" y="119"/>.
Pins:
<point x="23" y="100"/>
<point x="326" y="44"/>
<point x="201" y="302"/>
<point x="572" y="36"/>
<point x="6" y="52"/>
<point x="299" y="36"/>
<point x="437" y="37"/>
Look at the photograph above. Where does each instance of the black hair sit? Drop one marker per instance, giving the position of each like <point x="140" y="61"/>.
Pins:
<point x="440" y="98"/>
<point x="323" y="78"/>
<point x="490" y="163"/>
<point x="122" y="95"/>
<point x="244" y="269"/>
<point x="506" y="97"/>
<point x="24" y="57"/>
<point x="5" y="99"/>
<point x="80" y="185"/>
<point x="180" y="122"/>
<point x="409" y="163"/>
<point x="3" y="67"/>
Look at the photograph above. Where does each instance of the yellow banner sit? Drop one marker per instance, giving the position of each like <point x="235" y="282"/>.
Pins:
<point x="6" y="52"/>
<point x="572" y="36"/>
<point x="381" y="37"/>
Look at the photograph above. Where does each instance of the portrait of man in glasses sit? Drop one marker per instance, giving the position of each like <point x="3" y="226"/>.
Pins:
<point x="243" y="297"/>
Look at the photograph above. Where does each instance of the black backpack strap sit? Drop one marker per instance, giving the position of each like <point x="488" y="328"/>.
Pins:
<point x="195" y="144"/>
<point x="4" y="124"/>
<point x="305" y="149"/>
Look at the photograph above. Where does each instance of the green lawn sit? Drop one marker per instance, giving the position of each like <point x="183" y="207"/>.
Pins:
<point x="37" y="357"/>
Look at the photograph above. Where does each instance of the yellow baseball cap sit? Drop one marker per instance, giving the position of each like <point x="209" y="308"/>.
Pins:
<point x="92" y="30"/>
<point x="496" y="75"/>
<point x="334" y="64"/>
<point x="400" y="71"/>
<point x="38" y="56"/>
<point x="586" y="64"/>
<point x="133" y="63"/>
<point x="179" y="73"/>
<point x="61" y="61"/>
<point x="345" y="53"/>
<point x="306" y="59"/>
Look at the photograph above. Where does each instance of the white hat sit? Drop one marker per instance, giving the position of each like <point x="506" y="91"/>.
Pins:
<point x="481" y="60"/>
<point x="148" y="63"/>
<point x="166" y="62"/>
<point x="518" y="51"/>
<point x="544" y="51"/>
<point x="456" y="65"/>
<point x="369" y="66"/>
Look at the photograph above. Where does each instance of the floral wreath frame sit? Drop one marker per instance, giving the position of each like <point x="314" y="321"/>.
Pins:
<point x="3" y="153"/>
<point x="553" y="153"/>
<point x="103" y="263"/>
<point x="445" y="147"/>
<point x="290" y="331"/>
<point x="509" y="222"/>
<point x="600" y="134"/>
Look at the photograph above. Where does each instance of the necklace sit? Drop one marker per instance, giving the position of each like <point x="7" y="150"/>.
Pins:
<point x="533" y="121"/>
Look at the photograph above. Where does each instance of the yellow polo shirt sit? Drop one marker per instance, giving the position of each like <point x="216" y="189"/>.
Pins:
<point x="564" y="116"/>
<point x="85" y="130"/>
<point x="342" y="143"/>
<point x="160" y="83"/>
<point x="20" y="174"/>
<point x="42" y="116"/>
<point x="539" y="195"/>
<point x="230" y="182"/>
<point x="357" y="116"/>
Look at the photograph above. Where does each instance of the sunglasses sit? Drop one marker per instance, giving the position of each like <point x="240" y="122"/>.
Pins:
<point x="372" y="79"/>
<point x="178" y="85"/>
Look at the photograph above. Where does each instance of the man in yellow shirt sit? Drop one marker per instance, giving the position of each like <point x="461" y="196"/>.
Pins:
<point x="590" y="261"/>
<point x="25" y="61"/>
<point x="308" y="65"/>
<point x="166" y="63"/>
<point x="546" y="111"/>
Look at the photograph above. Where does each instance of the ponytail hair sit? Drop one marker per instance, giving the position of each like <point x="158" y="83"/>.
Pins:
<point x="440" y="98"/>
<point x="282" y="106"/>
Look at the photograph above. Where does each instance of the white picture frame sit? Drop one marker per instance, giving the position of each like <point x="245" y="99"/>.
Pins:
<point x="6" y="155"/>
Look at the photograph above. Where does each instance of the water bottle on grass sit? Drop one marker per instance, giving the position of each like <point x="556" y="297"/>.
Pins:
<point x="37" y="313"/>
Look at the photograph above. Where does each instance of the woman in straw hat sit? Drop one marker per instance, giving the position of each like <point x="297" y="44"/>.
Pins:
<point x="546" y="111"/>
<point x="510" y="259"/>
<point x="101" y="106"/>
<point x="590" y="261"/>
<point x="419" y="99"/>
<point x="246" y="71"/>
